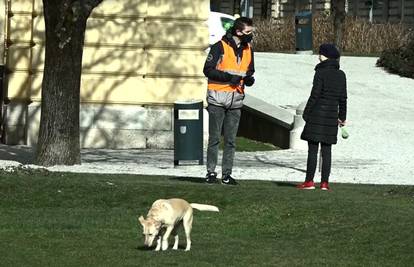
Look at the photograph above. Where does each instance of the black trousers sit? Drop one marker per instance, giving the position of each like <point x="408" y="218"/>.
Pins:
<point x="313" y="159"/>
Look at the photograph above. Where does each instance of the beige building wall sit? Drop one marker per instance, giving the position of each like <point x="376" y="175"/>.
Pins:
<point x="2" y="29"/>
<point x="139" y="57"/>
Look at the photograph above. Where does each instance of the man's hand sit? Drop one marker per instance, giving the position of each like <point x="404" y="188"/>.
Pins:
<point x="341" y="123"/>
<point x="248" y="80"/>
<point x="235" y="79"/>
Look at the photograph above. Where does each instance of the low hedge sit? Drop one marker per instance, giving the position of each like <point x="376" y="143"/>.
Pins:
<point x="399" y="60"/>
<point x="360" y="36"/>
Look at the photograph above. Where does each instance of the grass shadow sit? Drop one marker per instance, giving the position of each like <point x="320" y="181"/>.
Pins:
<point x="189" y="179"/>
<point x="285" y="184"/>
<point x="145" y="248"/>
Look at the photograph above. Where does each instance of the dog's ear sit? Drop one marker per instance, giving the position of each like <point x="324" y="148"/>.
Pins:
<point x="141" y="220"/>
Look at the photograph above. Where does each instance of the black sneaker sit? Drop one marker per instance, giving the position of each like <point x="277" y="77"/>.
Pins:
<point x="228" y="180"/>
<point x="211" y="178"/>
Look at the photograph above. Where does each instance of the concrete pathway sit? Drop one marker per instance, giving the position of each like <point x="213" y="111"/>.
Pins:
<point x="380" y="149"/>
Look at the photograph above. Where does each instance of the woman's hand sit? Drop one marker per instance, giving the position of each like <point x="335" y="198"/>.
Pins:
<point x="341" y="123"/>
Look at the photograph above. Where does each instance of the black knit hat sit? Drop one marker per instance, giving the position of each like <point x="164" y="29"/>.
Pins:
<point x="329" y="51"/>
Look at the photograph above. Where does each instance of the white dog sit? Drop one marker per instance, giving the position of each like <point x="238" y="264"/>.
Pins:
<point x="165" y="216"/>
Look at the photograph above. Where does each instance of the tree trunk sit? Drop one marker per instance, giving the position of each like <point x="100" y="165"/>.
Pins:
<point x="65" y="22"/>
<point x="338" y="12"/>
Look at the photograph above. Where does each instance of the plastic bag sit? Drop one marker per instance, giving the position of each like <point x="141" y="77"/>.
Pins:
<point x="344" y="132"/>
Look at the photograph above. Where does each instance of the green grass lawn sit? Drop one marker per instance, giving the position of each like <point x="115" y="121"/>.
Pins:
<point x="248" y="145"/>
<point x="52" y="219"/>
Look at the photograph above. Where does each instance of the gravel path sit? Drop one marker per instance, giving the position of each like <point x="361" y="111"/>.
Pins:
<point x="380" y="110"/>
<point x="379" y="150"/>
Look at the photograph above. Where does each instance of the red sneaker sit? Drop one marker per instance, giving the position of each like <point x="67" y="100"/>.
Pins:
<point x="306" y="185"/>
<point x="325" y="186"/>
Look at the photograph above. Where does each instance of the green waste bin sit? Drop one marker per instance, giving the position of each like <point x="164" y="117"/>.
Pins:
<point x="188" y="131"/>
<point x="303" y="29"/>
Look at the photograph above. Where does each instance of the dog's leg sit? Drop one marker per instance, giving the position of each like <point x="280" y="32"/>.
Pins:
<point x="165" y="237"/>
<point x="188" y="223"/>
<point x="175" y="247"/>
<point x="175" y="233"/>
<point x="158" y="244"/>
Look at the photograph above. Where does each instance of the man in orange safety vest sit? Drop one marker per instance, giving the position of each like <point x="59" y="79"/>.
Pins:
<point x="229" y="67"/>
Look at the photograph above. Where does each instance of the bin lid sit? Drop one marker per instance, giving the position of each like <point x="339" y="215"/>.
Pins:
<point x="304" y="14"/>
<point x="188" y="101"/>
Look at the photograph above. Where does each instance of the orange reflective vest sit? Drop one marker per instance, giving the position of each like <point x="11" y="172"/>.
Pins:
<point x="229" y="63"/>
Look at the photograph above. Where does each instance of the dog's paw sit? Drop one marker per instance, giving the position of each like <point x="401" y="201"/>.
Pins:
<point x="164" y="245"/>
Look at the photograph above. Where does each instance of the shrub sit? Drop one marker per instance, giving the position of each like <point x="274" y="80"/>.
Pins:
<point x="322" y="30"/>
<point x="399" y="60"/>
<point x="360" y="36"/>
<point x="275" y="35"/>
<point x="363" y="37"/>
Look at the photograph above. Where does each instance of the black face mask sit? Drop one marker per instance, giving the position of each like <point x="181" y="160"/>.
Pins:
<point x="246" y="38"/>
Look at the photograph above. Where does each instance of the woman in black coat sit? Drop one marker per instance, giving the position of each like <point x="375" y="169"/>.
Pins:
<point x="324" y="111"/>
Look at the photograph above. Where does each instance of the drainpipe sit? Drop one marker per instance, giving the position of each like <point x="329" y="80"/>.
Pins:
<point x="246" y="7"/>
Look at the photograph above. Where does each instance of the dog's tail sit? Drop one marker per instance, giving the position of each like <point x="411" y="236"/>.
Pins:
<point x="204" y="207"/>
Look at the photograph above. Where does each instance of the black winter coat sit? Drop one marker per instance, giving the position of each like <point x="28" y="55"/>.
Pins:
<point x="326" y="104"/>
